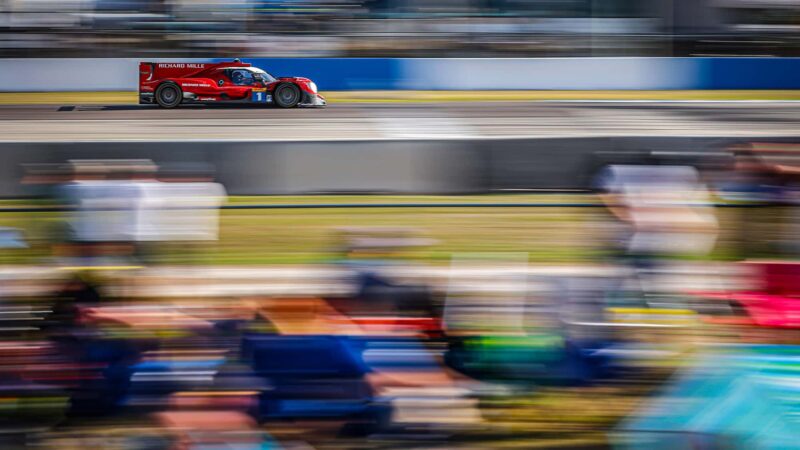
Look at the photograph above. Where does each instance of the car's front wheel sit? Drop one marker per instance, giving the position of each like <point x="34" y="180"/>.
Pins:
<point x="168" y="95"/>
<point x="287" y="95"/>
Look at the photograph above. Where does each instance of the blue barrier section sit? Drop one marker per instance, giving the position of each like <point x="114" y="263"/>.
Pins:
<point x="337" y="74"/>
<point x="748" y="73"/>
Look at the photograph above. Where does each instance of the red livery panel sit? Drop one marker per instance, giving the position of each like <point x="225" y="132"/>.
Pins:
<point x="170" y="84"/>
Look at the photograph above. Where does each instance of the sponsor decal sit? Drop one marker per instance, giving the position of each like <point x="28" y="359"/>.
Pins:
<point x="181" y="66"/>
<point x="195" y="85"/>
<point x="207" y="99"/>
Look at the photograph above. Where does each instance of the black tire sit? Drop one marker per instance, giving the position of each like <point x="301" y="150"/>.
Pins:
<point x="287" y="95"/>
<point x="169" y="95"/>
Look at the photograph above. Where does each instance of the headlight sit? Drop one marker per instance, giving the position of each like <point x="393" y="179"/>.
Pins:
<point x="312" y="86"/>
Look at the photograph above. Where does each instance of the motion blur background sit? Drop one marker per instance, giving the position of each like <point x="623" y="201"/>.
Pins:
<point x="558" y="224"/>
<point x="424" y="28"/>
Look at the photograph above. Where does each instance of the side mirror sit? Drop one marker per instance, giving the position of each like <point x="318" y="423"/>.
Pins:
<point x="220" y="82"/>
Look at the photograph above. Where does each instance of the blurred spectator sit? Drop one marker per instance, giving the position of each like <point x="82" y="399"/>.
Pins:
<point x="766" y="177"/>
<point x="77" y="292"/>
<point x="121" y="206"/>
<point x="666" y="209"/>
<point x="665" y="212"/>
<point x="755" y="183"/>
<point x="369" y="253"/>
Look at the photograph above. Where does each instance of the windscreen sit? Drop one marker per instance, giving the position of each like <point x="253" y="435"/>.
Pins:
<point x="265" y="76"/>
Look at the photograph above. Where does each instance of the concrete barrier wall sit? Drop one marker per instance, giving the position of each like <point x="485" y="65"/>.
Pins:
<point x="70" y="74"/>
<point x="414" y="167"/>
<point x="121" y="74"/>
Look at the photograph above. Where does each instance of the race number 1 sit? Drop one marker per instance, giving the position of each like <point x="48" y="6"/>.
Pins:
<point x="259" y="95"/>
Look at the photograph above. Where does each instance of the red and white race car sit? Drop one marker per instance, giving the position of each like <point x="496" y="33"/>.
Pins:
<point x="170" y="84"/>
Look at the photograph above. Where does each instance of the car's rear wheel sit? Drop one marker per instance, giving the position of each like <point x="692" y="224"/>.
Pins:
<point x="287" y="95"/>
<point x="168" y="95"/>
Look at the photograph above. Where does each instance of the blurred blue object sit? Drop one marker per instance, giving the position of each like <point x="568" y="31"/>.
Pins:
<point x="166" y="366"/>
<point x="313" y="377"/>
<point x="304" y="356"/>
<point x="530" y="359"/>
<point x="161" y="378"/>
<point x="103" y="395"/>
<point x="12" y="238"/>
<point x="744" y="397"/>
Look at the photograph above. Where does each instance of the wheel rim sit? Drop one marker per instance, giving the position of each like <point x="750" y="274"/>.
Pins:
<point x="287" y="95"/>
<point x="168" y="95"/>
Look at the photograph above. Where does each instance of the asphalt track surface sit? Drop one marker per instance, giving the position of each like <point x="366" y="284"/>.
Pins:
<point x="385" y="121"/>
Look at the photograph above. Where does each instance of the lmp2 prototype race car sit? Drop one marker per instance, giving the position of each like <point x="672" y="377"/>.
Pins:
<point x="171" y="84"/>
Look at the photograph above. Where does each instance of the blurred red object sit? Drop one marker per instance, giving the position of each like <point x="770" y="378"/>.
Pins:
<point x="776" y="303"/>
